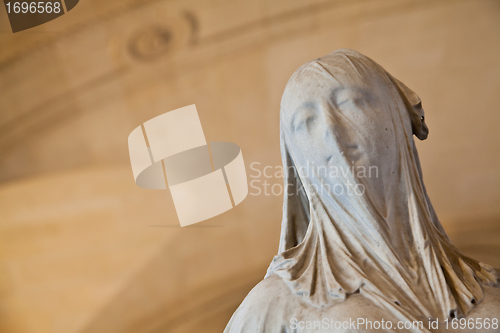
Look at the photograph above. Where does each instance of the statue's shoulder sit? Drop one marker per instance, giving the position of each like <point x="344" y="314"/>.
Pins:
<point x="265" y="309"/>
<point x="271" y="291"/>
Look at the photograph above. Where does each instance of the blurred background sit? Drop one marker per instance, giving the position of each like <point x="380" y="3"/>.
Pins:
<point x="83" y="249"/>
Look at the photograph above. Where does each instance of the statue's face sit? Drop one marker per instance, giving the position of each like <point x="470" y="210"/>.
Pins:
<point x="351" y="123"/>
<point x="352" y="126"/>
<point x="353" y="119"/>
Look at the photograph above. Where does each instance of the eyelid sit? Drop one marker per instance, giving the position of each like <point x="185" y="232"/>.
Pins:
<point x="343" y="102"/>
<point x="303" y="117"/>
<point x="304" y="120"/>
<point x="349" y="94"/>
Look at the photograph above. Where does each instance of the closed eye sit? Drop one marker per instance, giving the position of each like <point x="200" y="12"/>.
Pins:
<point x="304" y="117"/>
<point x="348" y="96"/>
<point x="304" y="121"/>
<point x="343" y="102"/>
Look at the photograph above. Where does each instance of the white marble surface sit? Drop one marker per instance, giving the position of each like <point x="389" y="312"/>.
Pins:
<point x="347" y="232"/>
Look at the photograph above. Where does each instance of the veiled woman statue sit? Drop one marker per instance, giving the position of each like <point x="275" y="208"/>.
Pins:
<point x="360" y="239"/>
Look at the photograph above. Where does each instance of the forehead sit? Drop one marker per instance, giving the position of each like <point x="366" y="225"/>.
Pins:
<point x="320" y="79"/>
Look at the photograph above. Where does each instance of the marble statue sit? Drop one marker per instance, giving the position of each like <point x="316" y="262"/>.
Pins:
<point x="360" y="239"/>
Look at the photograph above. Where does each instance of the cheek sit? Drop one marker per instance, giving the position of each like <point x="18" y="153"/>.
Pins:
<point x="378" y="140"/>
<point x="314" y="145"/>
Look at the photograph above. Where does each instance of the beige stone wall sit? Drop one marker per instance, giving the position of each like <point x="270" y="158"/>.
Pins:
<point x="82" y="249"/>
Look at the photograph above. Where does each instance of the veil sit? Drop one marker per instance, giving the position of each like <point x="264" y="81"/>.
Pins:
<point x="341" y="113"/>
